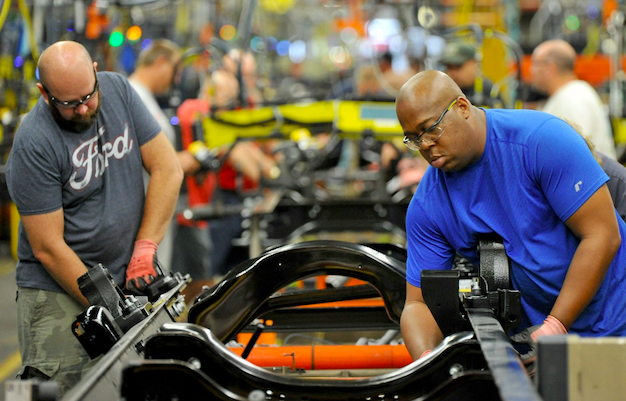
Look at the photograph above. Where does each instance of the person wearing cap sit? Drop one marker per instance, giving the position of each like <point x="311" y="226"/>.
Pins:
<point x="459" y="61"/>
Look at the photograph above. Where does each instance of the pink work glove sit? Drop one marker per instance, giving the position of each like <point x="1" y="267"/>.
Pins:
<point x="550" y="327"/>
<point x="143" y="268"/>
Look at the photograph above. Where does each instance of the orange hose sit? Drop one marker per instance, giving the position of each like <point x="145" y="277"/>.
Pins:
<point x="330" y="356"/>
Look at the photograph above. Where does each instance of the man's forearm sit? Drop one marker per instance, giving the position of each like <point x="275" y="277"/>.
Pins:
<point x="161" y="197"/>
<point x="584" y="277"/>
<point x="419" y="329"/>
<point x="65" y="267"/>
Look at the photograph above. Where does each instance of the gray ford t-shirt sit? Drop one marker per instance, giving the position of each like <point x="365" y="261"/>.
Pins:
<point x="95" y="176"/>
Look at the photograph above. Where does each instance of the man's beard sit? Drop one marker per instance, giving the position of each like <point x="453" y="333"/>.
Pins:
<point x="78" y="123"/>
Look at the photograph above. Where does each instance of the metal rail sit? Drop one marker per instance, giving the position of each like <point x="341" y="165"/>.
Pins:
<point x="508" y="373"/>
<point x="103" y="380"/>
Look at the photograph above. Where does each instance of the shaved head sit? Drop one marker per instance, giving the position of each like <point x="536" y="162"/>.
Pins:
<point x="62" y="60"/>
<point x="68" y="74"/>
<point x="425" y="90"/>
<point x="432" y="100"/>
<point x="430" y="84"/>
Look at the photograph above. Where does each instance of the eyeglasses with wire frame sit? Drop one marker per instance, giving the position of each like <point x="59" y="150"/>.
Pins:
<point x="72" y="104"/>
<point x="430" y="134"/>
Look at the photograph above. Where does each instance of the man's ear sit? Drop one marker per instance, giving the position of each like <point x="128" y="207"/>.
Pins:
<point x="43" y="92"/>
<point x="95" y="66"/>
<point x="464" y="105"/>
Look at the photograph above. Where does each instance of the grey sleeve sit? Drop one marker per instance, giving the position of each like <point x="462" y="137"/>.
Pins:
<point x="144" y="124"/>
<point x="617" y="187"/>
<point x="616" y="183"/>
<point x="34" y="182"/>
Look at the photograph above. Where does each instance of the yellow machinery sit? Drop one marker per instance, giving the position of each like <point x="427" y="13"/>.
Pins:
<point x="350" y="118"/>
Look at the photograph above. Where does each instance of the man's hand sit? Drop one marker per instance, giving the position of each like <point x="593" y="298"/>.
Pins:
<point x="551" y="326"/>
<point x="207" y="158"/>
<point x="428" y="351"/>
<point x="143" y="268"/>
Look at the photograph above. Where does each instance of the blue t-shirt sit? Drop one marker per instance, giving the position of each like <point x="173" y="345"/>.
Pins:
<point x="96" y="176"/>
<point x="535" y="172"/>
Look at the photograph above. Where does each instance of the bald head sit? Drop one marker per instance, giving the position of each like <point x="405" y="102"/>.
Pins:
<point x="61" y="60"/>
<point x="557" y="51"/>
<point x="430" y="87"/>
<point x="552" y="66"/>
<point x="431" y="103"/>
<point x="68" y="77"/>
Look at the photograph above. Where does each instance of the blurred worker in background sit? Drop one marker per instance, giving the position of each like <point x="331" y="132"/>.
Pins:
<point x="460" y="63"/>
<point x="380" y="82"/>
<point x="398" y="165"/>
<point x="222" y="89"/>
<point x="75" y="173"/>
<point x="569" y="97"/>
<point x="394" y="78"/>
<point x="187" y="245"/>
<point x="248" y="161"/>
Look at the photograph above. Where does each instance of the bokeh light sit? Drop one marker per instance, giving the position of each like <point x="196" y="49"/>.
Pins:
<point x="349" y="35"/>
<point x="593" y="12"/>
<point x="282" y="47"/>
<point x="116" y="39"/>
<point x="608" y="46"/>
<point x="228" y="32"/>
<point x="340" y="56"/>
<point x="19" y="61"/>
<point x="572" y="23"/>
<point x="134" y="33"/>
<point x="297" y="51"/>
<point x="257" y="44"/>
<point x="146" y="44"/>
<point x="381" y="29"/>
<point x="174" y="120"/>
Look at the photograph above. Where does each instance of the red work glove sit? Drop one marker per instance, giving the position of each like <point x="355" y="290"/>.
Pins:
<point x="143" y="268"/>
<point x="550" y="327"/>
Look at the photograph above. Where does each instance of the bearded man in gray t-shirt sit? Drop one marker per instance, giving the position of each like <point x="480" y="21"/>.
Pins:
<point x="75" y="175"/>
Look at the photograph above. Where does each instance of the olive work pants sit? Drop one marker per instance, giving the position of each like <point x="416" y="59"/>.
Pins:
<point x="48" y="348"/>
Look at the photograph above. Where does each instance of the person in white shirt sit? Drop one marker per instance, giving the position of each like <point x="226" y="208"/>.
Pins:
<point x="570" y="98"/>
